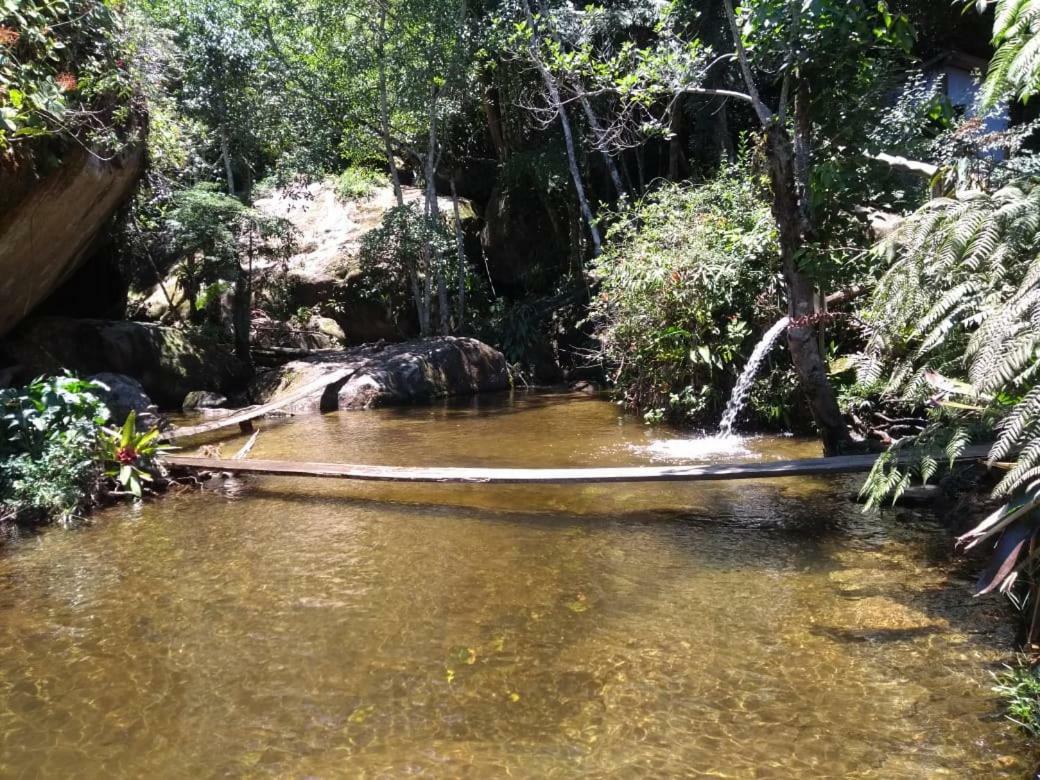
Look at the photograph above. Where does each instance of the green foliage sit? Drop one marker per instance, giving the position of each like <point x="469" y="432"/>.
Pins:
<point x="964" y="275"/>
<point x="528" y="330"/>
<point x="62" y="72"/>
<point x="394" y="258"/>
<point x="920" y="457"/>
<point x="49" y="447"/>
<point x="356" y="183"/>
<point x="215" y="236"/>
<point x="1015" y="67"/>
<point x="685" y="281"/>
<point x="961" y="298"/>
<point x="177" y="143"/>
<point x="1019" y="686"/>
<point x="130" y="454"/>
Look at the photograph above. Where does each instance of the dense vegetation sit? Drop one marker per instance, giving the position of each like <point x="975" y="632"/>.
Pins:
<point x="685" y="283"/>
<point x="677" y="176"/>
<point x="63" y="70"/>
<point x="58" y="458"/>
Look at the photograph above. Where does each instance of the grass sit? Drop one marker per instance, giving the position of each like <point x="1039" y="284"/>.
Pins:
<point x="1019" y="686"/>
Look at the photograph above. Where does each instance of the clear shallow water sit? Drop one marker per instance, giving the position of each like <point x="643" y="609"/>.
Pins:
<point x="315" y="628"/>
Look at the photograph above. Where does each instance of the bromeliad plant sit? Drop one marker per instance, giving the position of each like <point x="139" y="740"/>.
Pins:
<point x="130" y="455"/>
<point x="55" y="450"/>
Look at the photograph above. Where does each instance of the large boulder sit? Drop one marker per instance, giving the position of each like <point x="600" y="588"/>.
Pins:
<point x="123" y="394"/>
<point x="324" y="274"/>
<point x="202" y="399"/>
<point x="409" y="372"/>
<point x="49" y="223"/>
<point x="169" y="363"/>
<point x="518" y="237"/>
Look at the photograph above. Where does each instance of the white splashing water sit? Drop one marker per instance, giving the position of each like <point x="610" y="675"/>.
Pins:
<point x="747" y="378"/>
<point x="703" y="448"/>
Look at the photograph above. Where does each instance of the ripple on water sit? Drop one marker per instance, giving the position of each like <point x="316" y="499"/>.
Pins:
<point x="299" y="628"/>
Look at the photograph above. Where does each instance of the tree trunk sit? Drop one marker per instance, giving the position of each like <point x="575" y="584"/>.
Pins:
<point x="677" y="164"/>
<point x="794" y="231"/>
<point x="489" y="101"/>
<point x="240" y="306"/>
<point x="384" y="108"/>
<point x="433" y="215"/>
<point x="225" y="153"/>
<point x="461" y="251"/>
<point x="803" y="147"/>
<point x="722" y="135"/>
<point x="565" y="124"/>
<point x="597" y="128"/>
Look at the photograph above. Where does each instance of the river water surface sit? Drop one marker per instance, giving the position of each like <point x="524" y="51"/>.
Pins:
<point x="305" y="628"/>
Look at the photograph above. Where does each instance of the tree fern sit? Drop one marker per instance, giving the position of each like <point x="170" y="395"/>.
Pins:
<point x="963" y="294"/>
<point x="1015" y="67"/>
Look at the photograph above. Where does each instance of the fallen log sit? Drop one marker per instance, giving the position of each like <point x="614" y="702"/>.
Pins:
<point x="844" y="464"/>
<point x="244" y="418"/>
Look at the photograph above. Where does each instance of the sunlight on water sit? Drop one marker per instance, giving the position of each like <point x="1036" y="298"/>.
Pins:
<point x="281" y="627"/>
<point x="701" y="449"/>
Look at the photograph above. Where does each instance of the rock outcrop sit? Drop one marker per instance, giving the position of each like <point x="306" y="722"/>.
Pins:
<point x="410" y="372"/>
<point x="48" y="225"/>
<point x="124" y="394"/>
<point x="519" y="236"/>
<point x="325" y="269"/>
<point x="202" y="399"/>
<point x="169" y="363"/>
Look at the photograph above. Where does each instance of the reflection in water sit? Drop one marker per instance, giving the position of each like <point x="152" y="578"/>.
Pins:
<point x="320" y="628"/>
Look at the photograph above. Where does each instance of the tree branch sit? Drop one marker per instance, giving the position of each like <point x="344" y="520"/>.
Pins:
<point x="765" y="116"/>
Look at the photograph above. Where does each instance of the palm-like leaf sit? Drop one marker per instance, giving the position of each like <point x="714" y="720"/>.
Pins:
<point x="963" y="290"/>
<point x="1015" y="67"/>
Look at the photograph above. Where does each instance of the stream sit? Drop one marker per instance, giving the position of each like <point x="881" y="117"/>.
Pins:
<point x="309" y="628"/>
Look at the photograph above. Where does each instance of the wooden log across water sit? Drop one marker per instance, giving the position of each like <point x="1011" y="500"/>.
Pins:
<point x="244" y="418"/>
<point x="844" y="464"/>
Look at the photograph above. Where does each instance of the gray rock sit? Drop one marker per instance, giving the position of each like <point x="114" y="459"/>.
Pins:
<point x="124" y="394"/>
<point x="202" y="399"/>
<point x="48" y="223"/>
<point x="168" y="362"/>
<point x="410" y="372"/>
<point x="330" y="328"/>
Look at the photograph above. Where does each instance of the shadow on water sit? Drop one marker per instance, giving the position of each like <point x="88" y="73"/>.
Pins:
<point x="293" y="627"/>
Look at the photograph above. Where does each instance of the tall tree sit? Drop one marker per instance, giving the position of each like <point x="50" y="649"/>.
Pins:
<point x="790" y="62"/>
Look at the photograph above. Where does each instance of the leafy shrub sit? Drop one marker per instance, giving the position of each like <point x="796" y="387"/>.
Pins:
<point x="686" y="282"/>
<point x="396" y="264"/>
<point x="61" y="71"/>
<point x="49" y="447"/>
<point x="356" y="183"/>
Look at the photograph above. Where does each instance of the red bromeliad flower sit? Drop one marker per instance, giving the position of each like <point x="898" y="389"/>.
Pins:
<point x="66" y="81"/>
<point x="126" y="455"/>
<point x="8" y="35"/>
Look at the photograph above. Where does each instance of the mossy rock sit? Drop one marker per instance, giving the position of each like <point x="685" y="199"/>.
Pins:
<point x="169" y="363"/>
